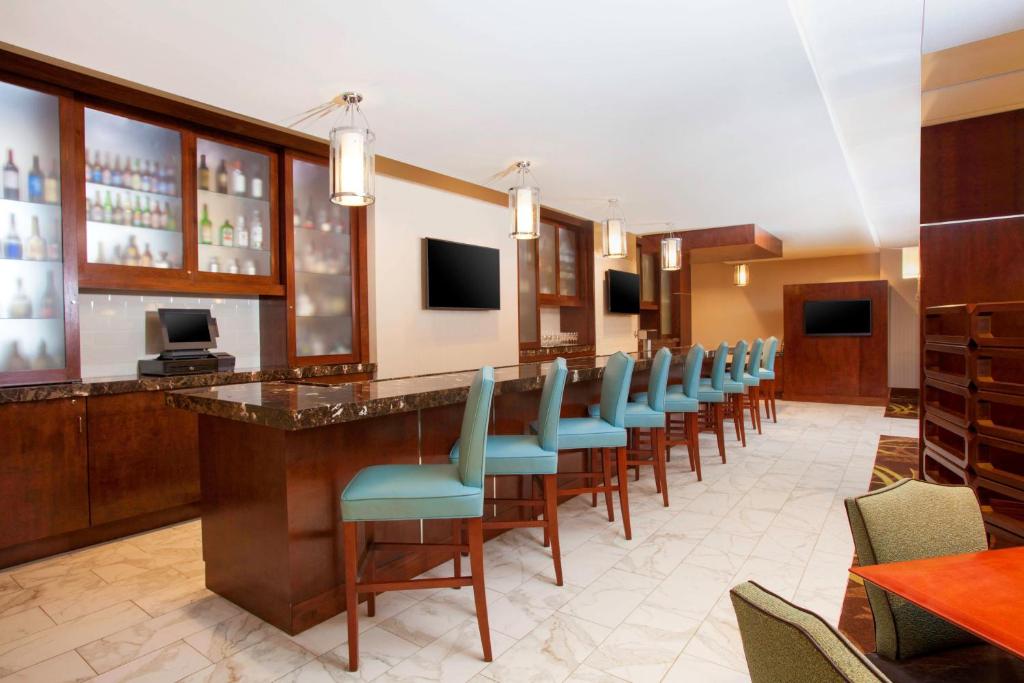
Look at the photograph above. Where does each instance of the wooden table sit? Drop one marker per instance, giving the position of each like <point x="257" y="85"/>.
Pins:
<point x="980" y="592"/>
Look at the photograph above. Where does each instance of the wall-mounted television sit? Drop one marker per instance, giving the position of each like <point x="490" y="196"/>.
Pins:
<point x="840" y="318"/>
<point x="623" y="291"/>
<point x="461" y="276"/>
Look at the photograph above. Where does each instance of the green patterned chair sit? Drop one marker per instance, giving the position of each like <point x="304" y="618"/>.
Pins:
<point x="783" y="642"/>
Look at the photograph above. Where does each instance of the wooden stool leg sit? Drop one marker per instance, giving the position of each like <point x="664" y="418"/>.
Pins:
<point x="737" y="415"/>
<point x="606" y="462"/>
<point x="349" y="532"/>
<point x="371" y="602"/>
<point x="775" y="415"/>
<point x="755" y="398"/>
<point x="693" y="441"/>
<point x="551" y="517"/>
<point x="767" y="384"/>
<point x="658" y="437"/>
<point x="593" y="468"/>
<point x="624" y="492"/>
<point x="544" y="510"/>
<point x="476" y="564"/>
<point x="457" y="538"/>
<point x="719" y="417"/>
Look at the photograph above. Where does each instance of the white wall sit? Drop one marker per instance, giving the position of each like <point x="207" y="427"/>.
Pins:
<point x="615" y="331"/>
<point x="406" y="338"/>
<point x="904" y="324"/>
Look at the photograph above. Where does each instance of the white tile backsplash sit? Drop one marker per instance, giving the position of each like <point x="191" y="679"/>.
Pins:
<point x="113" y="329"/>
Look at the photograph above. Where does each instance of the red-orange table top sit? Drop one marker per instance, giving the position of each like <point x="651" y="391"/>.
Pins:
<point x="981" y="592"/>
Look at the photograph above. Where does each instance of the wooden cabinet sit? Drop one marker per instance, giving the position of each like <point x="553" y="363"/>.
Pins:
<point x="43" y="474"/>
<point x="558" y="257"/>
<point x="143" y="456"/>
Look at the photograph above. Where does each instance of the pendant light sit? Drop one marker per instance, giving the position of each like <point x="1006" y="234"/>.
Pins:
<point x="615" y="244"/>
<point x="351" y="170"/>
<point x="524" y="205"/>
<point x="911" y="262"/>
<point x="741" y="275"/>
<point x="671" y="253"/>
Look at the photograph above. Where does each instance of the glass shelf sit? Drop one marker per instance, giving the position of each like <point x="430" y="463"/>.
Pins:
<point x="31" y="234"/>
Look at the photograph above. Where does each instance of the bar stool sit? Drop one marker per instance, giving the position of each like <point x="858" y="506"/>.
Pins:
<point x="646" y="410"/>
<point x="385" y="493"/>
<point x="606" y="432"/>
<point x="767" y="376"/>
<point x="711" y="393"/>
<point x="533" y="456"/>
<point x="685" y="402"/>
<point x="752" y="381"/>
<point x="733" y="387"/>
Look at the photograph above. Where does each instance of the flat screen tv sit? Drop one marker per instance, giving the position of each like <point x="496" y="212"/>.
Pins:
<point x="461" y="276"/>
<point x="844" y="318"/>
<point x="623" y="292"/>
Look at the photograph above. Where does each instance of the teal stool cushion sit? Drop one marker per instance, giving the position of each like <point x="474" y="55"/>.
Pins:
<point x="515" y="454"/>
<point x="588" y="432"/>
<point x="389" y="492"/>
<point x="680" y="403"/>
<point x="751" y="381"/>
<point x="766" y="374"/>
<point x="709" y="395"/>
<point x="638" y="414"/>
<point x="729" y="387"/>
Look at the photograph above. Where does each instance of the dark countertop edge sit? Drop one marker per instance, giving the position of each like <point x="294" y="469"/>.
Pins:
<point x="126" y="385"/>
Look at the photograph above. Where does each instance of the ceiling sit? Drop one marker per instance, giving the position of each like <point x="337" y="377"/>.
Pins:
<point x="800" y="116"/>
<point x="948" y="23"/>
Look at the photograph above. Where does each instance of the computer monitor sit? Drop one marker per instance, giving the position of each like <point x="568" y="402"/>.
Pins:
<point x="187" y="329"/>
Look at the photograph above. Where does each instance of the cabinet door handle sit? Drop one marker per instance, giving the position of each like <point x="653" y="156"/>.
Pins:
<point x="79" y="424"/>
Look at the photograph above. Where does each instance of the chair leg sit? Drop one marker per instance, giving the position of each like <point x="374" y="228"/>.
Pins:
<point x="457" y="538"/>
<point x="693" y="441"/>
<point x="755" y="397"/>
<point x="658" y="439"/>
<point x="371" y="601"/>
<point x="624" y="492"/>
<point x="349" y="532"/>
<point x="775" y="416"/>
<point x="593" y="468"/>
<point x="476" y="563"/>
<point x="606" y="462"/>
<point x="551" y="518"/>
<point x="732" y="413"/>
<point x="719" y="416"/>
<point x="738" y="416"/>
<point x="767" y="384"/>
<point x="544" y="513"/>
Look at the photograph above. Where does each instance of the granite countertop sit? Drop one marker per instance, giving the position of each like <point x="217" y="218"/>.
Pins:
<point x="303" y="405"/>
<point x="125" y="384"/>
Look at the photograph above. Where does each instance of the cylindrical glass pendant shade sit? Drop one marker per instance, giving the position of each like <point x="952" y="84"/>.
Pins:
<point x="741" y="275"/>
<point x="672" y="253"/>
<point x="615" y="243"/>
<point x="524" y="208"/>
<point x="351" y="170"/>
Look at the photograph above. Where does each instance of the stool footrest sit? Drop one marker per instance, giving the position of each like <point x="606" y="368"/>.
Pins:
<point x="587" y="489"/>
<point x="514" y="524"/>
<point x="524" y="502"/>
<point x="418" y="546"/>
<point x="414" y="584"/>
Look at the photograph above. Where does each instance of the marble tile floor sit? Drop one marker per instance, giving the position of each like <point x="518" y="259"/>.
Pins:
<point x="654" y="608"/>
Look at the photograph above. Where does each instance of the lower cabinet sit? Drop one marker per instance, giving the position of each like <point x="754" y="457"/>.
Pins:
<point x="43" y="470"/>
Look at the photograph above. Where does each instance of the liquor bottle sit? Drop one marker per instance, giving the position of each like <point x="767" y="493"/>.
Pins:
<point x="250" y="267"/>
<point x="204" y="173"/>
<point x="147" y="215"/>
<point x="118" y="215"/>
<point x="136" y="180"/>
<point x="15" y="362"/>
<point x="170" y="220"/>
<point x="137" y="213"/>
<point x="147" y="257"/>
<point x="35" y="246"/>
<point x="43" y="359"/>
<point x="35" y="181"/>
<point x="48" y="303"/>
<point x="256" y="183"/>
<point x="20" y="306"/>
<point x="107" y="174"/>
<point x="172" y="179"/>
<point x="256" y="231"/>
<point x="97" y="167"/>
<point x="108" y="209"/>
<point x="205" y="228"/>
<point x="156" y="218"/>
<point x="214" y="265"/>
<point x="53" y="244"/>
<point x="101" y="253"/>
<point x="145" y="177"/>
<point x="308" y="222"/>
<point x="234" y="267"/>
<point x="238" y="183"/>
<point x="227" y="234"/>
<point x="12" y="242"/>
<point x="131" y="252"/>
<point x="117" y="173"/>
<point x="162" y="262"/>
<point x="241" y="232"/>
<point x="51" y="186"/>
<point x="304" y="306"/>
<point x="12" y="186"/>
<point x="222" y="178"/>
<point x="96" y="208"/>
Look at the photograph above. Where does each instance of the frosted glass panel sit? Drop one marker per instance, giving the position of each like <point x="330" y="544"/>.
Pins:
<point x="132" y="192"/>
<point x="323" y="265"/>
<point x="233" y="209"/>
<point x="566" y="262"/>
<point x="31" y="269"/>
<point x="548" y="258"/>
<point x="665" y="307"/>
<point x="647" y="274"/>
<point x="528" y="291"/>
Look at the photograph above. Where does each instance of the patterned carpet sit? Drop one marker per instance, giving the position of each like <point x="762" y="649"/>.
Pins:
<point x="897" y="458"/>
<point x="903" y="403"/>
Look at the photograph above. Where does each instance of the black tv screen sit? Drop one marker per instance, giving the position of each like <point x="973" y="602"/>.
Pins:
<point x="187" y="328"/>
<point x="623" y="292"/>
<point x="461" y="276"/>
<point x="848" y="318"/>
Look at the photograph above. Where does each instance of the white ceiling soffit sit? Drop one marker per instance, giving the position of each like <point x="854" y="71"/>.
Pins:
<point x="701" y="113"/>
<point x="948" y="23"/>
<point x="867" y="57"/>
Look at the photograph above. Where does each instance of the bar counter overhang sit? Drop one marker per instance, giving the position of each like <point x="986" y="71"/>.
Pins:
<point x="275" y="457"/>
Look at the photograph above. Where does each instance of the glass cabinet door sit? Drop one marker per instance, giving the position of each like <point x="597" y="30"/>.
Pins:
<point x="322" y="264"/>
<point x="567" y="285"/>
<point x="132" y="193"/>
<point x="31" y="272"/>
<point x="548" y="247"/>
<point x="529" y="324"/>
<point x="648" y="273"/>
<point x="233" y="209"/>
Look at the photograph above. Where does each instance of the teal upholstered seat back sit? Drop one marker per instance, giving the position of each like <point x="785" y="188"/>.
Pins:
<point x="783" y="642"/>
<point x="551" y="405"/>
<point x="473" y="437"/>
<point x="739" y="357"/>
<point x="913" y="520"/>
<point x="657" y="383"/>
<point x="718" y="367"/>
<point x="769" y="356"/>
<point x="754" y="362"/>
<point x="691" y="371"/>
<point x="618" y="373"/>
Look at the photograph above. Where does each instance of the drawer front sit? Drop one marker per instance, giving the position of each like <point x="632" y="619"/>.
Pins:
<point x="1001" y="505"/>
<point x="938" y="470"/>
<point x="948" y="324"/>
<point x="998" y="459"/>
<point x="1000" y="415"/>
<point x="947" y="363"/>
<point x="947" y="439"/>
<point x="998" y="324"/>
<point x="951" y="402"/>
<point x="998" y="369"/>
